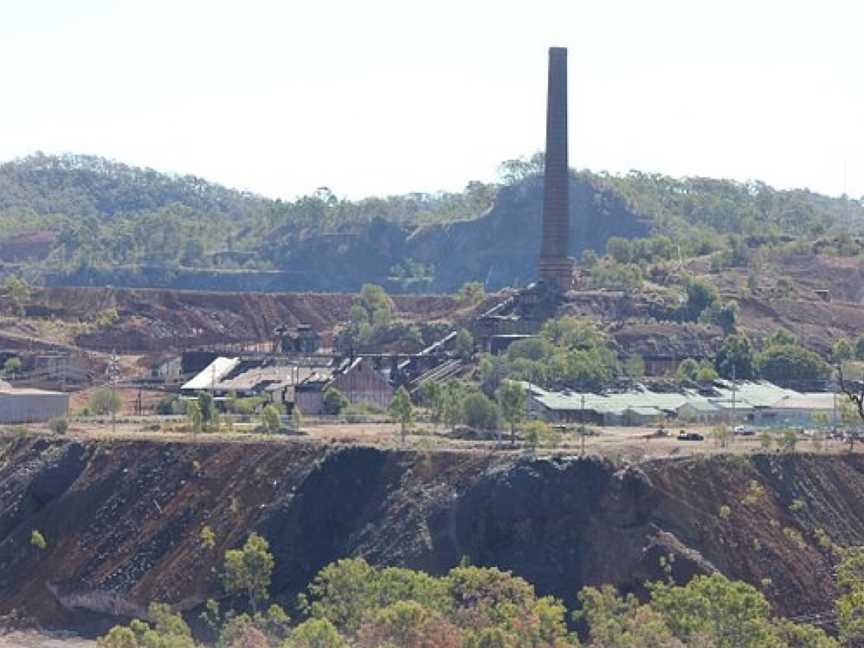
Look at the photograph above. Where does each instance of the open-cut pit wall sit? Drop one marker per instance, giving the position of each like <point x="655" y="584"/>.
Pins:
<point x="122" y="519"/>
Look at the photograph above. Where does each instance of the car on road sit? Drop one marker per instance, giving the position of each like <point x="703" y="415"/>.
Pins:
<point x="684" y="435"/>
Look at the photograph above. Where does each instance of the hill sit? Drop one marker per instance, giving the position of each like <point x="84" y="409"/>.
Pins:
<point x="122" y="519"/>
<point x="82" y="220"/>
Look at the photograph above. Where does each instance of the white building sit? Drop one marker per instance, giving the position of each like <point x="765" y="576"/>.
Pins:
<point x="31" y="405"/>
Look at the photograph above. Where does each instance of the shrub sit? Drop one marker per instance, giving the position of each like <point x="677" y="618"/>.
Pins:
<point x="104" y="401"/>
<point x="334" y="401"/>
<point x="58" y="425"/>
<point x="38" y="540"/>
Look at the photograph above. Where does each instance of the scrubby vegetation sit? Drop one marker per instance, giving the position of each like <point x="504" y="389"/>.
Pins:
<point x="352" y="604"/>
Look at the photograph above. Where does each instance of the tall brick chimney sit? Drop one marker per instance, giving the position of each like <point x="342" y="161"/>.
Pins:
<point x="556" y="266"/>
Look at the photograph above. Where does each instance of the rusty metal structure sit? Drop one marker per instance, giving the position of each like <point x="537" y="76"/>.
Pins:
<point x="556" y="266"/>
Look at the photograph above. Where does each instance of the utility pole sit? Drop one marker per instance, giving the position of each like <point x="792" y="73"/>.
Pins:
<point x="582" y="423"/>
<point x="734" y="389"/>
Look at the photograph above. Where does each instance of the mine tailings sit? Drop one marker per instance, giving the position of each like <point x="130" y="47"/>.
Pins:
<point x="123" y="519"/>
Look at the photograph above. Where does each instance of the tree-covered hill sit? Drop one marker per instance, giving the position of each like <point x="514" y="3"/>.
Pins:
<point x="83" y="219"/>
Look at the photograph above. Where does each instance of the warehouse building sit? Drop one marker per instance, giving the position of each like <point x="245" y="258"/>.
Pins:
<point x="30" y="405"/>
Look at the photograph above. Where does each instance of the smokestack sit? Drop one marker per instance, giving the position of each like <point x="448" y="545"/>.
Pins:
<point x="556" y="267"/>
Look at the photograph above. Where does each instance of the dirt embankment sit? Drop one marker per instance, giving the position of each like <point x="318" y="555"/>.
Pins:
<point x="123" y="519"/>
<point x="160" y="320"/>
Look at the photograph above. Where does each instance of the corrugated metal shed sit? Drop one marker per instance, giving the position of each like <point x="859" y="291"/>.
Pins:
<point x="31" y="405"/>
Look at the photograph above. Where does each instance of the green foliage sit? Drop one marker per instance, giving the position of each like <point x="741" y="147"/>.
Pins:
<point x="37" y="539"/>
<point x="568" y="353"/>
<point x="735" y="356"/>
<point x="208" y="538"/>
<point x="104" y="401"/>
<point x="705" y="373"/>
<point x="334" y="402"/>
<point x="723" y="314"/>
<point x="315" y="633"/>
<point x="58" y="425"/>
<point x="842" y="351"/>
<point x="850" y="602"/>
<point x="12" y="366"/>
<point x="787" y="363"/>
<point x="513" y="401"/>
<point x="612" y="275"/>
<point x="700" y="296"/>
<point x="399" y="607"/>
<point x="402" y="410"/>
<point x="165" y="629"/>
<point x="196" y="418"/>
<point x="209" y="413"/>
<point x="271" y="420"/>
<point x="248" y="570"/>
<point x="296" y="418"/>
<point x="471" y="293"/>
<point x="464" y="344"/>
<point x="16" y="293"/>
<point x="732" y="614"/>
<point x="479" y="412"/>
<point x="686" y="370"/>
<point x="539" y="434"/>
<point x="635" y="367"/>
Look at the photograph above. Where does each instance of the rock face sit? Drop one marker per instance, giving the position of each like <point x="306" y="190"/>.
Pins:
<point x="123" y="519"/>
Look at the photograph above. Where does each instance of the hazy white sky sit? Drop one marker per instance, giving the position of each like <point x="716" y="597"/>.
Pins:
<point x="374" y="96"/>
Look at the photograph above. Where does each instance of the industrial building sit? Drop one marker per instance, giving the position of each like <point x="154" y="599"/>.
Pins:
<point x="757" y="402"/>
<point x="30" y="405"/>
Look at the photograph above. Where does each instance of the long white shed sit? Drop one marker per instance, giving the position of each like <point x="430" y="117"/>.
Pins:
<point x="31" y="405"/>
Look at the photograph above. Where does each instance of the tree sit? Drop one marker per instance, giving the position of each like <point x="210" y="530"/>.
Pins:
<point x="635" y="367"/>
<point x="451" y="404"/>
<point x="271" y="420"/>
<point x="686" y="370"/>
<point x="789" y="363"/>
<point x="842" y="351"/>
<point x="478" y="412"/>
<point x="724" y="315"/>
<point x="315" y="633"/>
<point x="193" y="413"/>
<point x="334" y="402"/>
<point x="859" y="347"/>
<point x="432" y="394"/>
<point x="735" y="356"/>
<point x="513" y="402"/>
<point x="209" y="413"/>
<point x="850" y="604"/>
<point x="706" y="373"/>
<point x="104" y="401"/>
<point x="12" y="366"/>
<point x="58" y="425"/>
<point x="464" y="344"/>
<point x="296" y="418"/>
<point x="619" y="249"/>
<point x="38" y="540"/>
<point x="471" y="293"/>
<point x="539" y="433"/>
<point x="700" y="295"/>
<point x="119" y="637"/>
<point x="402" y="410"/>
<point x="17" y="292"/>
<point x="248" y="570"/>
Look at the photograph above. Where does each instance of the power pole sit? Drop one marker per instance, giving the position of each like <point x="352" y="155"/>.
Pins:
<point x="582" y="424"/>
<point x="734" y="388"/>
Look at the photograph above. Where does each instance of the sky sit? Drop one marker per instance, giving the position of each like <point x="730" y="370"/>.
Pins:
<point x="383" y="97"/>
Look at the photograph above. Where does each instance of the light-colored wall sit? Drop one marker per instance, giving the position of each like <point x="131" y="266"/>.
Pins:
<point x="32" y="408"/>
